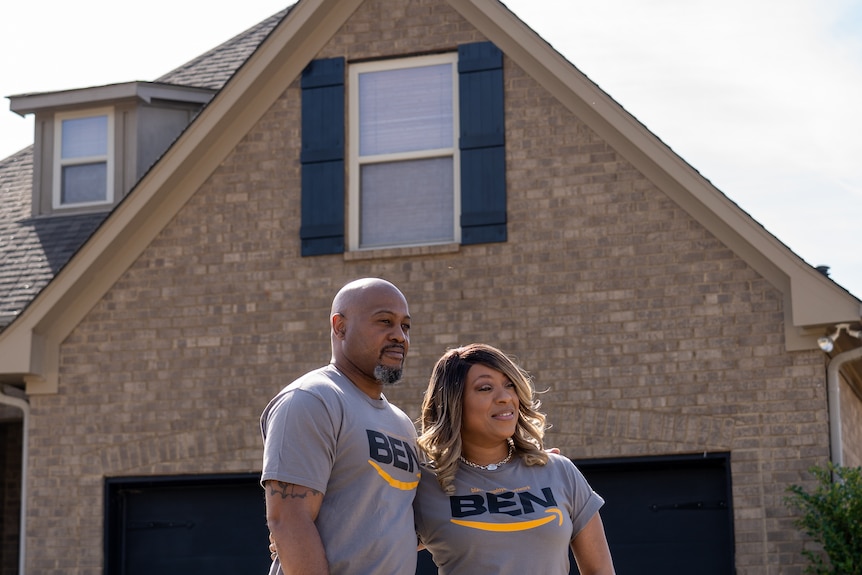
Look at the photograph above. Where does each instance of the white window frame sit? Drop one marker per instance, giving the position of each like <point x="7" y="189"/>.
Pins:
<point x="355" y="162"/>
<point x="60" y="163"/>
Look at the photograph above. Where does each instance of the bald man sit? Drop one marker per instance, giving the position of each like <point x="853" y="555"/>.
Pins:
<point x="340" y="467"/>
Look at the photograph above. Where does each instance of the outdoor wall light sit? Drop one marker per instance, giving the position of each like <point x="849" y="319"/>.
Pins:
<point x="827" y="342"/>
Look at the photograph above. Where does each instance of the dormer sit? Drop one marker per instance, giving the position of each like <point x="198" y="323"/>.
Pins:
<point x="93" y="144"/>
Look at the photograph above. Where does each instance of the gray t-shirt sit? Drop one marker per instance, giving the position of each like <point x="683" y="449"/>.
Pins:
<point x="514" y="520"/>
<point x="322" y="432"/>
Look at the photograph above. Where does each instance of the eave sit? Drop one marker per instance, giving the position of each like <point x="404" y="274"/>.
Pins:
<point x="23" y="104"/>
<point x="30" y="345"/>
<point x="811" y="301"/>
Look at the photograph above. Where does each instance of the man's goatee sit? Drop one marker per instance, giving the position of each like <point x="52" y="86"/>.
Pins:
<point x="387" y="375"/>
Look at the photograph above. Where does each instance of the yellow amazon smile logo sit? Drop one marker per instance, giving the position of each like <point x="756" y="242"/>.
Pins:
<point x="397" y="484"/>
<point x="520" y="526"/>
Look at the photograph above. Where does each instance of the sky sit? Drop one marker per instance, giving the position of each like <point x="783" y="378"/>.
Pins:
<point x="762" y="98"/>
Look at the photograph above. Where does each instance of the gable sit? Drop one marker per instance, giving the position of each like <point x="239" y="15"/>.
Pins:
<point x="811" y="301"/>
<point x="34" y="248"/>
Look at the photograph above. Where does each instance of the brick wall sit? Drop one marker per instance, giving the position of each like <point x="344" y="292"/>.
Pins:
<point x="851" y="428"/>
<point x="651" y="336"/>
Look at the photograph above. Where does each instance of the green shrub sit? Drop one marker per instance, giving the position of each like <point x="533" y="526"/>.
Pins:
<point x="832" y="516"/>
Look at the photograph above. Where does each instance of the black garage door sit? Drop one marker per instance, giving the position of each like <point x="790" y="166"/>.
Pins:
<point x="667" y="514"/>
<point x="173" y="526"/>
<point x="663" y="515"/>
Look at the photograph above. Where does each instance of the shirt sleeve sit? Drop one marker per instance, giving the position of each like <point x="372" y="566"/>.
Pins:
<point x="300" y="435"/>
<point x="586" y="502"/>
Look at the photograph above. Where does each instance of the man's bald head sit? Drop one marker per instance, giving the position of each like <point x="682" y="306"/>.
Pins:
<point x="356" y="291"/>
<point x="370" y="325"/>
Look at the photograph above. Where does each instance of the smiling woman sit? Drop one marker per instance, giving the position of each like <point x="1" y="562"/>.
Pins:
<point x="490" y="417"/>
<point x="491" y="500"/>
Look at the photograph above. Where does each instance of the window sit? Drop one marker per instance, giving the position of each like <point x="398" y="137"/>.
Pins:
<point x="403" y="152"/>
<point x="83" y="159"/>
<point x="427" y="158"/>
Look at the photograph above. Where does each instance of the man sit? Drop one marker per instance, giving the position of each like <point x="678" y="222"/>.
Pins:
<point x="340" y="467"/>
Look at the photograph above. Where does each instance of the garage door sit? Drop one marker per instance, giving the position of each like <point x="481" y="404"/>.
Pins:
<point x="667" y="514"/>
<point x="170" y="526"/>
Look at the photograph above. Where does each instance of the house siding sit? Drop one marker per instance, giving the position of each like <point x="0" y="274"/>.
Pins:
<point x="651" y="336"/>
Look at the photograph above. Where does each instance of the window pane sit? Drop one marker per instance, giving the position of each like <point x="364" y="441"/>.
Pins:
<point x="84" y="137"/>
<point x="405" y="110"/>
<point x="84" y="183"/>
<point x="407" y="203"/>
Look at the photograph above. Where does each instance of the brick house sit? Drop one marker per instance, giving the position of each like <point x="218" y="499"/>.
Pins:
<point x="171" y="268"/>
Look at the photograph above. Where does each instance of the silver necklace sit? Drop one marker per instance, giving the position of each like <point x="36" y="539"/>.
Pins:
<point x="491" y="466"/>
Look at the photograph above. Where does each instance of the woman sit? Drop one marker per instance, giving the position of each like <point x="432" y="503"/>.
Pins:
<point x="491" y="500"/>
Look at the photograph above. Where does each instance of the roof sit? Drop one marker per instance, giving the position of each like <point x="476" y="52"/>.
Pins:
<point x="146" y="91"/>
<point x="33" y="250"/>
<point x="212" y="69"/>
<point x="30" y="346"/>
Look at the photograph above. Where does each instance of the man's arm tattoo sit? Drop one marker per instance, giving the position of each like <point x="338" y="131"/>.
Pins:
<point x="291" y="490"/>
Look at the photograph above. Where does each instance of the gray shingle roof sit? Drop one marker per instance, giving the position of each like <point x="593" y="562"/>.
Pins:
<point x="33" y="250"/>
<point x="212" y="69"/>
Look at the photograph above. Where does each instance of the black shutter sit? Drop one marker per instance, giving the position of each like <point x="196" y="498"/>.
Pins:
<point x="482" y="143"/>
<point x="322" y="157"/>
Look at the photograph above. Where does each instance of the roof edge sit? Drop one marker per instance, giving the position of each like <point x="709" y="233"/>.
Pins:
<point x="23" y="104"/>
<point x="812" y="301"/>
<point x="30" y="345"/>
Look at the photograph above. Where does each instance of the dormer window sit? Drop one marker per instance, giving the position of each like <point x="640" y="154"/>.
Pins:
<point x="92" y="145"/>
<point x="83" y="167"/>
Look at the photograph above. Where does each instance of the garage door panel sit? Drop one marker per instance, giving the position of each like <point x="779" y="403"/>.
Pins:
<point x="170" y="526"/>
<point x="666" y="514"/>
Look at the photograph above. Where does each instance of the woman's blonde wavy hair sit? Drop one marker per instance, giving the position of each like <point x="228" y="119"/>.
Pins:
<point x="442" y="410"/>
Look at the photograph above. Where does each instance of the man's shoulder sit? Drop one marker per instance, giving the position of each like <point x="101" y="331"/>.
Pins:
<point x="322" y="379"/>
<point x="395" y="409"/>
<point x="318" y="386"/>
